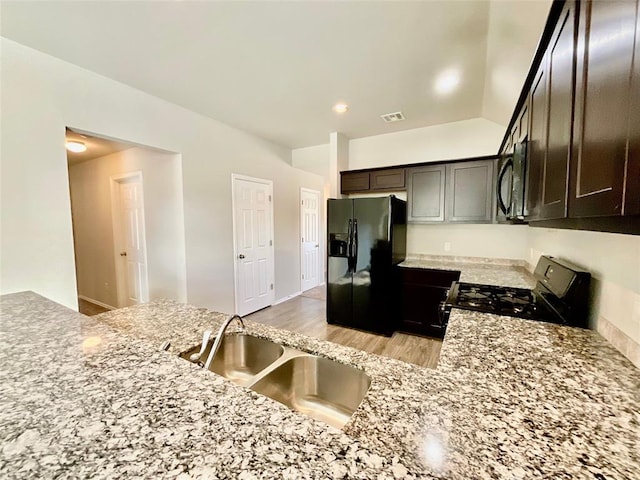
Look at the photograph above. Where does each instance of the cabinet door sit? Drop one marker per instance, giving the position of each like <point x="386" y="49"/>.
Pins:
<point x="523" y="122"/>
<point x="421" y="309"/>
<point x="470" y="192"/>
<point x="422" y="292"/>
<point x="632" y="186"/>
<point x="560" y="67"/>
<point x="605" y="51"/>
<point x="537" y="145"/>
<point x="390" y="179"/>
<point x="425" y="194"/>
<point x="354" y="182"/>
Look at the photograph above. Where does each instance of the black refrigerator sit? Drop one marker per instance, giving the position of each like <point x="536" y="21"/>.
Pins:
<point x="366" y="238"/>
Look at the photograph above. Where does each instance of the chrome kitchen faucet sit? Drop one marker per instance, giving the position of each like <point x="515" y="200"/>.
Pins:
<point x="218" y="340"/>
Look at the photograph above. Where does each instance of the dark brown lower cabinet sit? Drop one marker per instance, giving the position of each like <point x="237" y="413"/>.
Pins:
<point x="422" y="291"/>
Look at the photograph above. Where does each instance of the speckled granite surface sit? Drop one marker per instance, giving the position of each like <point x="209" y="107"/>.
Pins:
<point x="94" y="397"/>
<point x="488" y="271"/>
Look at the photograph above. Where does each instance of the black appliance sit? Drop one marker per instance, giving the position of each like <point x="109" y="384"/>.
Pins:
<point x="561" y="296"/>
<point x="366" y="238"/>
<point x="511" y="185"/>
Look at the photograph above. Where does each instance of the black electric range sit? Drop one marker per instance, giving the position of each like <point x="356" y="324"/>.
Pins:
<point x="561" y="296"/>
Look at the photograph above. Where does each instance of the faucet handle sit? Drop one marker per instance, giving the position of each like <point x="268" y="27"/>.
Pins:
<point x="205" y="339"/>
<point x="195" y="357"/>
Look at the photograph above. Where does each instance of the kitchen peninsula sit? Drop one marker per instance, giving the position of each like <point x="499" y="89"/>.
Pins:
<point x="96" y="397"/>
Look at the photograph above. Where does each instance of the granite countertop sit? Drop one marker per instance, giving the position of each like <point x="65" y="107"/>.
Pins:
<point x="96" y="397"/>
<point x="488" y="271"/>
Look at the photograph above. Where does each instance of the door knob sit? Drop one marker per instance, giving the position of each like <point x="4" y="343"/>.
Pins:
<point x="317" y="245"/>
<point x="241" y="256"/>
<point x="123" y="254"/>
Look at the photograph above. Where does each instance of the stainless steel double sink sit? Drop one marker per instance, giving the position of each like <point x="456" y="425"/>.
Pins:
<point x="318" y="387"/>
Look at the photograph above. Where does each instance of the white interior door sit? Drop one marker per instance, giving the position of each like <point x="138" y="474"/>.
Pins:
<point x="310" y="237"/>
<point x="253" y="232"/>
<point x="130" y="241"/>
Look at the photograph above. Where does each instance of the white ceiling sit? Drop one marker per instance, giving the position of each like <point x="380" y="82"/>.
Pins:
<point x="276" y="68"/>
<point x="96" y="147"/>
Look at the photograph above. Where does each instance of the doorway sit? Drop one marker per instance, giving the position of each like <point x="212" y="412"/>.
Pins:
<point x="310" y="239"/>
<point x="253" y="243"/>
<point x="129" y="238"/>
<point x="126" y="199"/>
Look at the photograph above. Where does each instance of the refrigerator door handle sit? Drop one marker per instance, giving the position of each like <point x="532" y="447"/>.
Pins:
<point x="355" y="244"/>
<point x="349" y="247"/>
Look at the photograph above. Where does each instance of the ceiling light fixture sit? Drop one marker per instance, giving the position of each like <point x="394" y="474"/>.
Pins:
<point x="76" y="147"/>
<point x="340" y="107"/>
<point x="447" y="82"/>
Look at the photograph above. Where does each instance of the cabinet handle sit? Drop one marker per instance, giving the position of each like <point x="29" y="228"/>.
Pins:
<point x="241" y="256"/>
<point x="123" y="254"/>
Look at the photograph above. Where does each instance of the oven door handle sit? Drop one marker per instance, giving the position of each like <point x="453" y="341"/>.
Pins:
<point x="444" y="311"/>
<point x="444" y="307"/>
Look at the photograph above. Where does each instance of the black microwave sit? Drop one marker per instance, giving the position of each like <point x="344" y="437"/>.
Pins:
<point x="511" y="184"/>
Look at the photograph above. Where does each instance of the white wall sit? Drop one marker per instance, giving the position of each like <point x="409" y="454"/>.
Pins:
<point x="614" y="261"/>
<point x="316" y="160"/>
<point x="338" y="161"/>
<point x="89" y="184"/>
<point x="468" y="138"/>
<point x="312" y="159"/>
<point x="514" y="28"/>
<point x="467" y="240"/>
<point x="41" y="95"/>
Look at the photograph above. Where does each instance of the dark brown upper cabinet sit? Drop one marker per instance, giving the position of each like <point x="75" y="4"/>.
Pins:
<point x="451" y="192"/>
<point x="381" y="180"/>
<point x="602" y="109"/>
<point x="632" y="175"/>
<point x="537" y="144"/>
<point x="583" y="92"/>
<point x="519" y="130"/>
<point x="522" y="124"/>
<point x="387" y="179"/>
<point x="551" y="120"/>
<point x="560" y="67"/>
<point x="351" y="182"/>
<point x="425" y="193"/>
<point x="469" y="196"/>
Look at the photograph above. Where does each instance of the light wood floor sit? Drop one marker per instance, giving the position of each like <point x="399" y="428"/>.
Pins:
<point x="306" y="314"/>
<point x="90" y="309"/>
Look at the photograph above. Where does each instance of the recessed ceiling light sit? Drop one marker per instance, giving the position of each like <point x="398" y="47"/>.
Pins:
<point x="340" y="107"/>
<point x="447" y="81"/>
<point x="76" y="147"/>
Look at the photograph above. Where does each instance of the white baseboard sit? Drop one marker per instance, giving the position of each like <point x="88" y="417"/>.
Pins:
<point x="96" y="302"/>
<point x="288" y="297"/>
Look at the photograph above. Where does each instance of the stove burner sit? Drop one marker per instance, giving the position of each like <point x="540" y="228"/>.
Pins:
<point x="493" y="298"/>
<point x="475" y="294"/>
<point x="540" y="303"/>
<point x="510" y="299"/>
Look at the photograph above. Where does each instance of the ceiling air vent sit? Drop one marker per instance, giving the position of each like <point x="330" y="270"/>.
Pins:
<point x="392" y="117"/>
